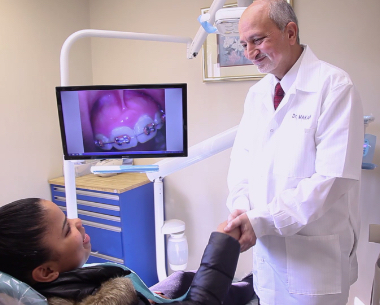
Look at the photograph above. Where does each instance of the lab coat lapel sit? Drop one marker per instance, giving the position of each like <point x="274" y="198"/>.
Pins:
<point x="268" y="102"/>
<point x="263" y="94"/>
<point x="310" y="66"/>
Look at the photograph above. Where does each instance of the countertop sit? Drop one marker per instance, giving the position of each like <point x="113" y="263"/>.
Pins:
<point x="119" y="183"/>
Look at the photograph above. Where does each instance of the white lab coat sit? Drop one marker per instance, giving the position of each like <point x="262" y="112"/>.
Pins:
<point x="297" y="172"/>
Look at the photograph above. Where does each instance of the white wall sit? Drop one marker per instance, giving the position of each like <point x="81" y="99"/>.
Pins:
<point x="342" y="32"/>
<point x="31" y="36"/>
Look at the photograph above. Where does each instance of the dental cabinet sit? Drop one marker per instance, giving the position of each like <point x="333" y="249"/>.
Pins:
<point x="118" y="214"/>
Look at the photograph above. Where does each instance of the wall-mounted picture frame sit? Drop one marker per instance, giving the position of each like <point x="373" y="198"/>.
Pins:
<point x="224" y="60"/>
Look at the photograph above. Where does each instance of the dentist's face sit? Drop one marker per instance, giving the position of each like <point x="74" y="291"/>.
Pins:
<point x="264" y="44"/>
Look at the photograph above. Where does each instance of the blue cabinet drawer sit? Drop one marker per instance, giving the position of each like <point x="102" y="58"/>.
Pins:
<point x="100" y="218"/>
<point x="90" y="206"/>
<point x="105" y="240"/>
<point x="89" y="195"/>
<point x="99" y="258"/>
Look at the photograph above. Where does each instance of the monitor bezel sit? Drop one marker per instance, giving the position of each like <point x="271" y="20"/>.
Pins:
<point x="127" y="155"/>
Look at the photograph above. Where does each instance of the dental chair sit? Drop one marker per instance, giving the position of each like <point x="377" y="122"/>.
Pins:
<point x="15" y="292"/>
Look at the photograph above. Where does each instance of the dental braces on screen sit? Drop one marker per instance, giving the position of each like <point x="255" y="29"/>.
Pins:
<point x="126" y="139"/>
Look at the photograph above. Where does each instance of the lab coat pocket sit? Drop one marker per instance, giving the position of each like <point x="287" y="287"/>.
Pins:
<point x="295" y="156"/>
<point x="314" y="264"/>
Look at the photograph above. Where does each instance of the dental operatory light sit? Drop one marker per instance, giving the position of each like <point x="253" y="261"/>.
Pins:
<point x="177" y="248"/>
<point x="226" y="19"/>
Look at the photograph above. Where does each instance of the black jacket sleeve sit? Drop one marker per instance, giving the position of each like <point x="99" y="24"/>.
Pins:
<point x="214" y="277"/>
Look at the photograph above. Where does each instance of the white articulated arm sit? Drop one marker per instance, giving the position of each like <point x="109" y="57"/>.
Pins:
<point x="201" y="35"/>
<point x="198" y="152"/>
<point x="109" y="34"/>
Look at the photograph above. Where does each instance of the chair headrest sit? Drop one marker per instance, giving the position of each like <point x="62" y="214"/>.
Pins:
<point x="15" y="292"/>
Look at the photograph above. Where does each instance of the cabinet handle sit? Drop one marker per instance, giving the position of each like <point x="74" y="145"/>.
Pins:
<point x="96" y="215"/>
<point x="92" y="204"/>
<point x="89" y="193"/>
<point x="107" y="257"/>
<point x="101" y="226"/>
<point x="97" y="225"/>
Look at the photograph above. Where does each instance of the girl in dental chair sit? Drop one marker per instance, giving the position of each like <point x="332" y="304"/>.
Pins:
<point x="41" y="247"/>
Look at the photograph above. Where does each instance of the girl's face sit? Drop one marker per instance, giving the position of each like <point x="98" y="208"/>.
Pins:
<point x="66" y="238"/>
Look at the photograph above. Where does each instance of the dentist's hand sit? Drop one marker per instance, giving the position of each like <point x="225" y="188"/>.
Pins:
<point x="238" y="218"/>
<point x="235" y="233"/>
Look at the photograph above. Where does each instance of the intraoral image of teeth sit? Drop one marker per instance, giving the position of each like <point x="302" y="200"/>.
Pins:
<point x="124" y="138"/>
<point x="159" y="119"/>
<point x="103" y="142"/>
<point x="145" y="129"/>
<point x="125" y="119"/>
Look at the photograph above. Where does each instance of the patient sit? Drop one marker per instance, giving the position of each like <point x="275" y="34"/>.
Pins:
<point x="43" y="248"/>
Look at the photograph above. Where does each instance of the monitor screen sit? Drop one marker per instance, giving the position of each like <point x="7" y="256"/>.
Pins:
<point x="123" y="121"/>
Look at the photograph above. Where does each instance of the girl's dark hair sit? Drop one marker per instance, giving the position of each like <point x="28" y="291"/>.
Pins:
<point x="22" y="228"/>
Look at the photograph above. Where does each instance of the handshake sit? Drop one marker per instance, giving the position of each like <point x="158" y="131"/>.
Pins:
<point x="239" y="227"/>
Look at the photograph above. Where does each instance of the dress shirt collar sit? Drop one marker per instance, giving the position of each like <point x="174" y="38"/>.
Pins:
<point x="289" y="78"/>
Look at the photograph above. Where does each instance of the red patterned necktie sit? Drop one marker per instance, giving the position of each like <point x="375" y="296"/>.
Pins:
<point x="278" y="95"/>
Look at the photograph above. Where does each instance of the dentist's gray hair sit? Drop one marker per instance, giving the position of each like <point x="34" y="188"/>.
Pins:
<point x="281" y="13"/>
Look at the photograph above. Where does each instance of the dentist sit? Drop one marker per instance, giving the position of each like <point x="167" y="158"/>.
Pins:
<point x="295" y="167"/>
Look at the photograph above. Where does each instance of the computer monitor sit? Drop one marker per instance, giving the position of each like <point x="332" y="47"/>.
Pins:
<point x="123" y="121"/>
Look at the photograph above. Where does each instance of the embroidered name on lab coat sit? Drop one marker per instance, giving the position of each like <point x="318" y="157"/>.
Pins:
<point x="301" y="116"/>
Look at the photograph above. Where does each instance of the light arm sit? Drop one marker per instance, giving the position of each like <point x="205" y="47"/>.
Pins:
<point x="197" y="153"/>
<point x="64" y="58"/>
<point x="201" y="35"/>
